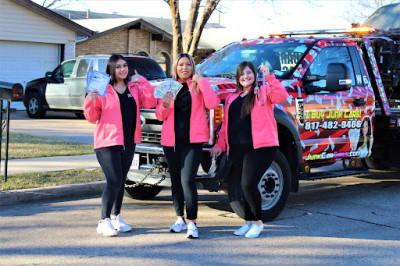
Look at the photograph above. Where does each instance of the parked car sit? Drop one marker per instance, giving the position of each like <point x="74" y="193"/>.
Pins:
<point x="64" y="89"/>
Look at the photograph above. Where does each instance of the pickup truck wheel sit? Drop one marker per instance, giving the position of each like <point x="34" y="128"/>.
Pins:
<point x="80" y="115"/>
<point x="35" y="106"/>
<point x="274" y="188"/>
<point x="142" y="192"/>
<point x="376" y="163"/>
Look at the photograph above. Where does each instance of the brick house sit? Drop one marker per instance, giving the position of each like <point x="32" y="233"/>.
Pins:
<point x="135" y="35"/>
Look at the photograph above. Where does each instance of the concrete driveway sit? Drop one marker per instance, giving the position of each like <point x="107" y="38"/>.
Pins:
<point x="59" y="125"/>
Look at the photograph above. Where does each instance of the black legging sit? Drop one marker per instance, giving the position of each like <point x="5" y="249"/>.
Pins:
<point x="183" y="163"/>
<point x="115" y="162"/>
<point x="250" y="164"/>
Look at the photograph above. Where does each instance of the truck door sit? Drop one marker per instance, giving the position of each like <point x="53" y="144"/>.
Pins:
<point x="57" y="93"/>
<point x="330" y="115"/>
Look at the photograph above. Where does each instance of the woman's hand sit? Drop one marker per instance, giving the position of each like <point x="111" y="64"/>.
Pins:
<point x="215" y="152"/>
<point x="197" y="77"/>
<point x="92" y="95"/>
<point x="264" y="69"/>
<point x="135" y="78"/>
<point x="166" y="100"/>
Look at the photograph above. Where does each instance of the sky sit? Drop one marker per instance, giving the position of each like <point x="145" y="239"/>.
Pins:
<point x="246" y="15"/>
<point x="253" y="18"/>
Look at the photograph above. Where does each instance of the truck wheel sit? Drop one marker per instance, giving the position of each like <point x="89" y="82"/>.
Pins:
<point x="274" y="188"/>
<point x="80" y="115"/>
<point x="35" y="106"/>
<point x="142" y="192"/>
<point x="373" y="162"/>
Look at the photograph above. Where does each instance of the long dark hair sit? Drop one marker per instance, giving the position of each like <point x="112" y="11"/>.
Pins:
<point x="111" y="66"/>
<point x="250" y="98"/>
<point x="368" y="136"/>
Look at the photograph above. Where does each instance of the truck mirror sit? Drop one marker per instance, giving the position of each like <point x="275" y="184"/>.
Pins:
<point x="338" y="77"/>
<point x="48" y="74"/>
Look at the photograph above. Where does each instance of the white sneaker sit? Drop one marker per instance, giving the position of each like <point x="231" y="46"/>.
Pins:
<point x="192" y="231"/>
<point x="178" y="226"/>
<point x="254" y="231"/>
<point x="105" y="228"/>
<point x="120" y="225"/>
<point x="242" y="230"/>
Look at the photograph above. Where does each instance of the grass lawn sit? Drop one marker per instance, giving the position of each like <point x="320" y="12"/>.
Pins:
<point x="47" y="179"/>
<point x="23" y="146"/>
<point x="27" y="146"/>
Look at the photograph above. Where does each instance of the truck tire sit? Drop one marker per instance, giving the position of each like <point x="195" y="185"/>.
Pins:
<point x="142" y="192"/>
<point x="80" y="115"/>
<point x="35" y="106"/>
<point x="274" y="188"/>
<point x="375" y="163"/>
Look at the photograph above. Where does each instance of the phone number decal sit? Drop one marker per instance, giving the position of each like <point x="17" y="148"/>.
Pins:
<point x="332" y="124"/>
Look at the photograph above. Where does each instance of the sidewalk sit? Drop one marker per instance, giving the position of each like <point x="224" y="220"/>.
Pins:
<point x="56" y="163"/>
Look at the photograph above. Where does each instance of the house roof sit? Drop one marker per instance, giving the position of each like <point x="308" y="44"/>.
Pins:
<point x="55" y="17"/>
<point x="385" y="18"/>
<point x="106" y="23"/>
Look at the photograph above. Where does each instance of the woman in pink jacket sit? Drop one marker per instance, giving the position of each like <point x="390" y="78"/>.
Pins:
<point x="250" y="136"/>
<point x="184" y="131"/>
<point x="117" y="130"/>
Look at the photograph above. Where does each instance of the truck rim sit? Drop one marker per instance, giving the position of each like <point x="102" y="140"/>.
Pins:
<point x="271" y="186"/>
<point x="33" y="105"/>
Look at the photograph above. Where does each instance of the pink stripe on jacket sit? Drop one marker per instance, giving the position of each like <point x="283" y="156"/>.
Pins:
<point x="263" y="125"/>
<point x="106" y="111"/>
<point x="199" y="130"/>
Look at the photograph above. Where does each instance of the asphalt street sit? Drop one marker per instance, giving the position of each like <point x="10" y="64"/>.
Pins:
<point x="351" y="220"/>
<point x="346" y="221"/>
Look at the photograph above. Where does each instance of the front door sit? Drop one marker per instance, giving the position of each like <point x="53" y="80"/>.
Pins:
<point x="58" y="91"/>
<point x="332" y="119"/>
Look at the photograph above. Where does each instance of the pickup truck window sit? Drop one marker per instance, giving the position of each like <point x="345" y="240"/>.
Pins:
<point x="337" y="54"/>
<point x="66" y="69"/>
<point x="83" y="67"/>
<point x="281" y="58"/>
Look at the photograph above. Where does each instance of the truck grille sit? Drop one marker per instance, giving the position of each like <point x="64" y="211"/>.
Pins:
<point x="151" y="137"/>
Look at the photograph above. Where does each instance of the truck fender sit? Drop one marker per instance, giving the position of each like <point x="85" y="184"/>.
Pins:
<point x="290" y="144"/>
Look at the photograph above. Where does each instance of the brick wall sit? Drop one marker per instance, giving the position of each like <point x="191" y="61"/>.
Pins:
<point x="114" y="42"/>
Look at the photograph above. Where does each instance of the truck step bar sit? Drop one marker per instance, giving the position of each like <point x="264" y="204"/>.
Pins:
<point x="331" y="174"/>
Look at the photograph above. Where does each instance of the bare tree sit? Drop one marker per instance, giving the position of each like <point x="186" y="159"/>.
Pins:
<point x="57" y="3"/>
<point x="192" y="34"/>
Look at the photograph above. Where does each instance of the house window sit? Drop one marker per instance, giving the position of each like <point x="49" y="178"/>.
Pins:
<point x="163" y="60"/>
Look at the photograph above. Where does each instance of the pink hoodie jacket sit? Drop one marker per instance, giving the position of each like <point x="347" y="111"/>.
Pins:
<point x="106" y="111"/>
<point x="263" y="125"/>
<point x="199" y="130"/>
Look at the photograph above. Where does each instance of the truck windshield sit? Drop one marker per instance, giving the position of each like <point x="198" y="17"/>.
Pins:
<point x="281" y="58"/>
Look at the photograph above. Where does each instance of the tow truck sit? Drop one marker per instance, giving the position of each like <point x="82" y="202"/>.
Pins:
<point x="343" y="105"/>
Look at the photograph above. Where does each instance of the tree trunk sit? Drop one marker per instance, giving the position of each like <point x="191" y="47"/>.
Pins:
<point x="190" y="24"/>
<point x="208" y="10"/>
<point x="176" y="28"/>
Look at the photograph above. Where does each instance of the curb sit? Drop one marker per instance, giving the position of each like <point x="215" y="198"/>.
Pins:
<point x="12" y="197"/>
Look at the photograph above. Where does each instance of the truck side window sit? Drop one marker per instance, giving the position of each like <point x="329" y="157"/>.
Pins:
<point x="83" y="67"/>
<point x="336" y="54"/>
<point x="66" y="69"/>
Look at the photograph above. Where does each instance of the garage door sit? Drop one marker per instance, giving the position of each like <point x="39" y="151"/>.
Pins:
<point x="24" y="61"/>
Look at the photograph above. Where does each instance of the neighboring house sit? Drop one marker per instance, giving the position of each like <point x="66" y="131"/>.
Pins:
<point x="34" y="40"/>
<point x="385" y="18"/>
<point x="139" y="35"/>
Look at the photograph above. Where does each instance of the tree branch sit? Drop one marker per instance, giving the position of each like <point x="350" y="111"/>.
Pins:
<point x="190" y="24"/>
<point x="176" y="27"/>
<point x="208" y="10"/>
